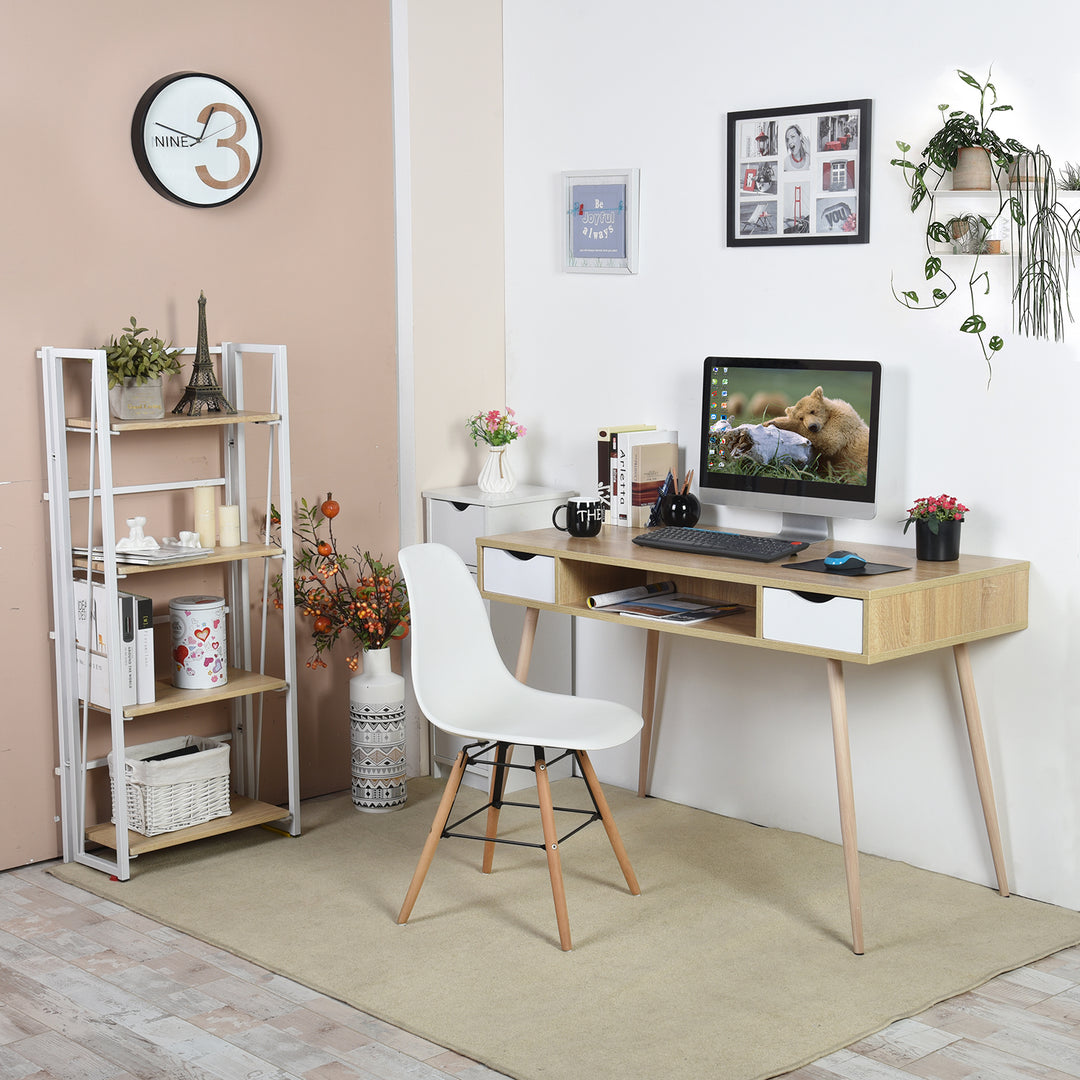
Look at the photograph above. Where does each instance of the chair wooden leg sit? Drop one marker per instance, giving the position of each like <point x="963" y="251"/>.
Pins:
<point x="441" y="815"/>
<point x="551" y="846"/>
<point x="503" y="753"/>
<point x="608" y="819"/>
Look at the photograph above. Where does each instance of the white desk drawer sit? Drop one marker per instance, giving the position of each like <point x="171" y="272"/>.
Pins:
<point x="835" y="622"/>
<point x="531" y="577"/>
<point x="457" y="525"/>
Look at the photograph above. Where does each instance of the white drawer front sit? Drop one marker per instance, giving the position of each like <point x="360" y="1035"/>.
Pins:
<point x="456" y="525"/>
<point x="531" y="577"/>
<point x="836" y="623"/>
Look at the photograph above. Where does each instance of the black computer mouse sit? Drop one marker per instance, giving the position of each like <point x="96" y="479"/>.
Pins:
<point x="844" y="560"/>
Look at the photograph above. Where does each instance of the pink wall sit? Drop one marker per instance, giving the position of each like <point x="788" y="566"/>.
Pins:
<point x="305" y="257"/>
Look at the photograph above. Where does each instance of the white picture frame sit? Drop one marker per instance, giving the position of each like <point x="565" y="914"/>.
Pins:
<point x="601" y="220"/>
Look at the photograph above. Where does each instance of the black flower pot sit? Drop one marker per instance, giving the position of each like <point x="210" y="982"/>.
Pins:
<point x="942" y="546"/>
<point x="681" y="510"/>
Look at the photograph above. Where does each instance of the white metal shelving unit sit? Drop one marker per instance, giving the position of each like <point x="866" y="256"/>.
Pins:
<point x="248" y="680"/>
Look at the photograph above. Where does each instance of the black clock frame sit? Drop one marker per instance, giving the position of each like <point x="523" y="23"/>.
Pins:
<point x="138" y="147"/>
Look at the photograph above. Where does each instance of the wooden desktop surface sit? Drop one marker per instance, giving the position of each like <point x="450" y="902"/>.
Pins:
<point x="926" y="606"/>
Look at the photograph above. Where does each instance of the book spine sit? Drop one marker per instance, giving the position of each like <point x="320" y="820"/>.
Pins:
<point x="145" y="691"/>
<point x="126" y="613"/>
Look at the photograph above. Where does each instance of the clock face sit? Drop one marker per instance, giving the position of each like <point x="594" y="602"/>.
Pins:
<point x="196" y="139"/>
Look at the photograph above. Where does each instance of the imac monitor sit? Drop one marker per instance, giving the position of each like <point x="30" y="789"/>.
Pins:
<point x="797" y="436"/>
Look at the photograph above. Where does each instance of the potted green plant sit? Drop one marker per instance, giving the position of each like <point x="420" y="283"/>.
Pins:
<point x="137" y="365"/>
<point x="1044" y="238"/>
<point x="960" y="132"/>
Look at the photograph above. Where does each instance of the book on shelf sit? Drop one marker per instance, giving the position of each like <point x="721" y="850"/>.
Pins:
<point x="92" y="632"/>
<point x="607" y="449"/>
<point x="661" y="600"/>
<point x="145" y="690"/>
<point x="656" y="460"/>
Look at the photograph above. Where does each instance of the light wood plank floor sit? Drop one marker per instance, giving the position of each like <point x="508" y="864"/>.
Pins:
<point x="92" y="991"/>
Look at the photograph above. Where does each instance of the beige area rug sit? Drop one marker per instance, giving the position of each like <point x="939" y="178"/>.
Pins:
<point x="734" y="963"/>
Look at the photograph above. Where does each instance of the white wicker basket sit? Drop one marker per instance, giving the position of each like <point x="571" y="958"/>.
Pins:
<point x="166" y="795"/>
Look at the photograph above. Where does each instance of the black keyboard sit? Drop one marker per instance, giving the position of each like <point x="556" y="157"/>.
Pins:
<point x="710" y="542"/>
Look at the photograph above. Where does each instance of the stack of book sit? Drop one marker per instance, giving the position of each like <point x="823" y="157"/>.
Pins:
<point x="92" y="631"/>
<point x="632" y="463"/>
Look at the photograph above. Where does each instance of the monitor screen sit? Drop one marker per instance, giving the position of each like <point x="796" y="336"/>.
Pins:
<point x="793" y="435"/>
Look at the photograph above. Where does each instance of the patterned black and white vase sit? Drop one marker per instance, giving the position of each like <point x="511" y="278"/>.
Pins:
<point x="377" y="732"/>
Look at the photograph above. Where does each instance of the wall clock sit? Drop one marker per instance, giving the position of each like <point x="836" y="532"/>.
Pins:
<point x="196" y="139"/>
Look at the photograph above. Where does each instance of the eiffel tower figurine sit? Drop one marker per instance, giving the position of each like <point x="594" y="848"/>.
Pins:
<point x="203" y="392"/>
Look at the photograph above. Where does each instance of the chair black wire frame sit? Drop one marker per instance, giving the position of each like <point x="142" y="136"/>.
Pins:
<point x="475" y="755"/>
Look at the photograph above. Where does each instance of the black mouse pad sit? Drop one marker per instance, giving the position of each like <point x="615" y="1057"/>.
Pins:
<point x="866" y="570"/>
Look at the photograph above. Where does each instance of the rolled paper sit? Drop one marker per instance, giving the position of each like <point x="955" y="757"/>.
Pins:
<point x="228" y="526"/>
<point x="205" y="499"/>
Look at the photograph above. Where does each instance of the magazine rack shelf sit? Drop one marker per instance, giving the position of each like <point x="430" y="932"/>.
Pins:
<point x="82" y="373"/>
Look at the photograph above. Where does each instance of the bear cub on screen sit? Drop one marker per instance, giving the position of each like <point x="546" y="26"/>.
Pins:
<point x="839" y="436"/>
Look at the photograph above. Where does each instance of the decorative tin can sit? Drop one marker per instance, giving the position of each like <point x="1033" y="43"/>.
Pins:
<point x="198" y="642"/>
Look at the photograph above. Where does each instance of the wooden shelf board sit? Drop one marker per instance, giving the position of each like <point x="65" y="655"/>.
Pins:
<point x="245" y="813"/>
<point x="220" y="555"/>
<point x="241" y="684"/>
<point x="209" y="420"/>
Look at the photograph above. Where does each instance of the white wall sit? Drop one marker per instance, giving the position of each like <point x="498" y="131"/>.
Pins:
<point x="594" y="84"/>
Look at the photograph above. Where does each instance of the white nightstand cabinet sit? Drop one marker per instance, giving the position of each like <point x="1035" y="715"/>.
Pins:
<point x="456" y="517"/>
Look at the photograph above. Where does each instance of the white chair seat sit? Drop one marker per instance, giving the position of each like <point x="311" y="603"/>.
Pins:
<point x="463" y="687"/>
<point x="519" y="714"/>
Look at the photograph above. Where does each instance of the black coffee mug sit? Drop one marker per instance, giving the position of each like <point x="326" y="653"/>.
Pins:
<point x="584" y="516"/>
<point x="682" y="510"/>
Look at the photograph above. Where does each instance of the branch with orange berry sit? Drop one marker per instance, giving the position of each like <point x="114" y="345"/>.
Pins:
<point x="360" y="595"/>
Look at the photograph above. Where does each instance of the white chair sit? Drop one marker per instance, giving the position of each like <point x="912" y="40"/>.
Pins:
<point x="464" y="688"/>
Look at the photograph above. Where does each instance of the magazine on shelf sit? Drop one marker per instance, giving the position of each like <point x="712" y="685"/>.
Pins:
<point x="149" y="556"/>
<point x="661" y="600"/>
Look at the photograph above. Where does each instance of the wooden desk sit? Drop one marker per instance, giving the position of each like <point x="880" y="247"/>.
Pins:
<point x="858" y="620"/>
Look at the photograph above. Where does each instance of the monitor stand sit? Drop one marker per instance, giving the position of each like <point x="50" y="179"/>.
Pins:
<point x="808" y="527"/>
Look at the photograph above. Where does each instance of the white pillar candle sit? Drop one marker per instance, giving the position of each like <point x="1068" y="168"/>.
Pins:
<point x="228" y="526"/>
<point x="204" y="515"/>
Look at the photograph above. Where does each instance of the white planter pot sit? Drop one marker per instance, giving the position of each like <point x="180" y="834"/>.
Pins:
<point x="131" y="401"/>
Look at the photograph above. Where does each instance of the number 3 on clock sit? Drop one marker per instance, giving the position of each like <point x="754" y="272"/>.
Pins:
<point x="196" y="139"/>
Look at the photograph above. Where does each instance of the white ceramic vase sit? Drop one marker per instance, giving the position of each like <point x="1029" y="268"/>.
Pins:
<point x="377" y="734"/>
<point x="497" y="476"/>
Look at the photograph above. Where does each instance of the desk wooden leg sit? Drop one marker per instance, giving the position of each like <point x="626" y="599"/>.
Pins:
<point x="528" y="636"/>
<point x="845" y="791"/>
<point x="648" y="705"/>
<point x="982" y="764"/>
